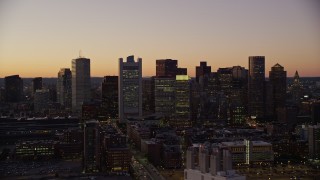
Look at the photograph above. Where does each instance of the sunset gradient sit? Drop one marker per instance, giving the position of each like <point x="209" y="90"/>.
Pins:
<point x="38" y="37"/>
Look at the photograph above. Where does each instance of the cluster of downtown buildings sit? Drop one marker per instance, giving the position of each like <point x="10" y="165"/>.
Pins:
<point x="206" y="124"/>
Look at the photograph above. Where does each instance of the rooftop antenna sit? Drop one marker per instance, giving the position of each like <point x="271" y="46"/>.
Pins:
<point x="80" y="53"/>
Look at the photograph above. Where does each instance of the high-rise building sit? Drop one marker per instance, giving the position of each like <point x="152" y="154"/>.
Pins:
<point x="64" y="88"/>
<point x="166" y="67"/>
<point x="148" y="96"/>
<point x="314" y="141"/>
<point x="182" y="117"/>
<point x="164" y="93"/>
<point x="36" y="84"/>
<point x="278" y="79"/>
<point x="130" y="88"/>
<point x="256" y="86"/>
<point x="13" y="88"/>
<point x="182" y="71"/>
<point x="41" y="100"/>
<point x="225" y="80"/>
<point x="315" y="112"/>
<point x="202" y="70"/>
<point x="110" y="97"/>
<point x="92" y="151"/>
<point x="80" y="83"/>
<point x="296" y="88"/>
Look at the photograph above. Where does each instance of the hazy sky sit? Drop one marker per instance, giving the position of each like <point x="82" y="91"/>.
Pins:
<point x="38" y="37"/>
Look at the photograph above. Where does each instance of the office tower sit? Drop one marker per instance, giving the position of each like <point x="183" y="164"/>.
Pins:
<point x="92" y="151"/>
<point x="202" y="70"/>
<point x="209" y="102"/>
<point x="314" y="141"/>
<point x="64" y="88"/>
<point x="182" y="71"/>
<point x="130" y="88"/>
<point x="315" y="112"/>
<point x="195" y="102"/>
<point x="164" y="96"/>
<point x="296" y="88"/>
<point x="2" y="95"/>
<point x="256" y="86"/>
<point x="182" y="117"/>
<point x="36" y="84"/>
<point x="278" y="79"/>
<point x="269" y="99"/>
<point x="80" y="83"/>
<point x="41" y="100"/>
<point x="13" y="88"/>
<point x="166" y="67"/>
<point x="148" y="96"/>
<point x="110" y="97"/>
<point x="225" y="80"/>
<point x="239" y="85"/>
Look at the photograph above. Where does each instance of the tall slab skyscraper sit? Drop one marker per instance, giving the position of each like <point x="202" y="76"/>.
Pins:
<point x="256" y="79"/>
<point x="80" y="83"/>
<point x="130" y="88"/>
<point x="278" y="79"/>
<point x="64" y="88"/>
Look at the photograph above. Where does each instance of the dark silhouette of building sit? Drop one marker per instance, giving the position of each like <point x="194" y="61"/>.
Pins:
<point x="166" y="67"/>
<point x="278" y="79"/>
<point x="202" y="70"/>
<point x="36" y="84"/>
<point x="182" y="71"/>
<point x="81" y="83"/>
<point x="92" y="151"/>
<point x="91" y="110"/>
<point x="41" y="100"/>
<point x="315" y="112"/>
<point x="296" y="88"/>
<point x="164" y="96"/>
<point x="225" y="80"/>
<point x="64" y="88"/>
<point x="117" y="154"/>
<point x="256" y="82"/>
<point x="13" y="88"/>
<point x="130" y="88"/>
<point x="110" y="96"/>
<point x="148" y="96"/>
<point x="182" y="118"/>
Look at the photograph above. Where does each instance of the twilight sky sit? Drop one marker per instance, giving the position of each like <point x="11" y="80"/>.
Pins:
<point x="38" y="37"/>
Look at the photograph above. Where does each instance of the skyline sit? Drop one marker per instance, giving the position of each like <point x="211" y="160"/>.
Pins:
<point x="222" y="33"/>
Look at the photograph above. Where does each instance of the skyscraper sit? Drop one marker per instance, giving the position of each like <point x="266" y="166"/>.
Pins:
<point x="182" y="117"/>
<point x="36" y="84"/>
<point x="92" y="151"/>
<point x="41" y="100"/>
<point x="80" y="82"/>
<point x="202" y="70"/>
<point x="256" y="86"/>
<point x="130" y="88"/>
<point x="296" y="88"/>
<point x="148" y="96"/>
<point x="64" y="88"/>
<point x="13" y="88"/>
<point x="166" y="67"/>
<point x="278" y="79"/>
<point x="164" y="96"/>
<point x="110" y="97"/>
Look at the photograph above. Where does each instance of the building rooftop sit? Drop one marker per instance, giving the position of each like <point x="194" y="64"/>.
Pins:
<point x="242" y="143"/>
